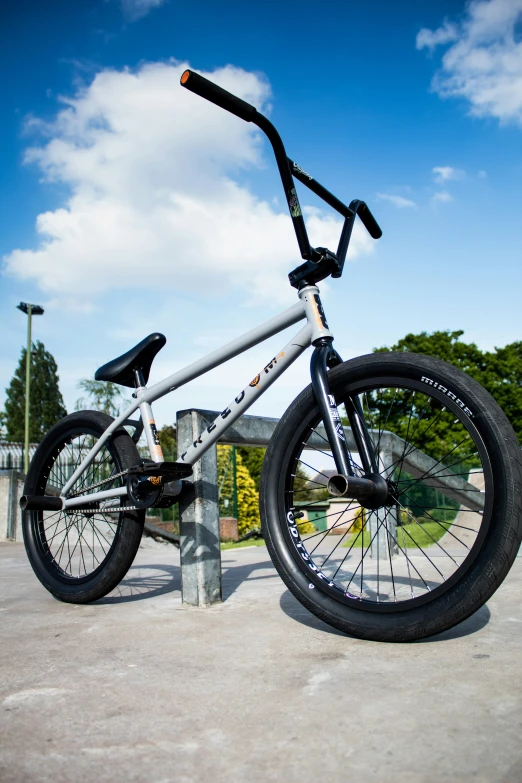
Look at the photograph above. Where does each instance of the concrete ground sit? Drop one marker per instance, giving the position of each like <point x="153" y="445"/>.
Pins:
<point x="139" y="688"/>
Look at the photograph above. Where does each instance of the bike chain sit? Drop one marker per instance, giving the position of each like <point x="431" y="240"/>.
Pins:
<point x="87" y="511"/>
<point x="78" y="492"/>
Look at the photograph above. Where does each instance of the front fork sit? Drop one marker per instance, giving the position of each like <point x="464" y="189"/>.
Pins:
<point x="372" y="489"/>
<point x="321" y="358"/>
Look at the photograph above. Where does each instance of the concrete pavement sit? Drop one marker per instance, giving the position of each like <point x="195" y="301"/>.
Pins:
<point x="138" y="687"/>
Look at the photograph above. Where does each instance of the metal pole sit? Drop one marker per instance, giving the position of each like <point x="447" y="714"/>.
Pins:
<point x="27" y="388"/>
<point x="199" y="519"/>
<point x="234" y="485"/>
<point x="383" y="522"/>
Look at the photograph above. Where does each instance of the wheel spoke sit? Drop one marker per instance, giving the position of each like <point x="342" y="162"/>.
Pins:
<point x="79" y="542"/>
<point x="393" y="555"/>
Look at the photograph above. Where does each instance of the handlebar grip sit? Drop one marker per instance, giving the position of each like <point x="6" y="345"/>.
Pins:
<point x="368" y="219"/>
<point x="207" y="89"/>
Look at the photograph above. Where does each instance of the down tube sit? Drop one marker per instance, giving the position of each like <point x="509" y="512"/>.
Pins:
<point x="248" y="396"/>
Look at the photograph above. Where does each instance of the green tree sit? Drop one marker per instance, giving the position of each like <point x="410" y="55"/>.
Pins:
<point x="247" y="495"/>
<point x="444" y="345"/>
<point x="502" y="377"/>
<point x="46" y="405"/>
<point x="307" y="489"/>
<point x="499" y="371"/>
<point x="102" y="396"/>
<point x="252" y="458"/>
<point x="247" y="500"/>
<point x="168" y="441"/>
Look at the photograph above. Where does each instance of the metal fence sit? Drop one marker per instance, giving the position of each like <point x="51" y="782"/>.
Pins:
<point x="12" y="455"/>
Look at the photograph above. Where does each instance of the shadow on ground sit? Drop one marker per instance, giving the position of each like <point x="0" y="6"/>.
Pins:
<point x="235" y="575"/>
<point x="149" y="580"/>
<point x="145" y="581"/>
<point x="293" y="609"/>
<point x="153" y="579"/>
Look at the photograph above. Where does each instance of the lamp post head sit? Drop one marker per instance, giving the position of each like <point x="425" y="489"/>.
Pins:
<point x="35" y="309"/>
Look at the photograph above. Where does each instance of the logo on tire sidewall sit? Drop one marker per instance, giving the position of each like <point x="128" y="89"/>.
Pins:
<point x="444" y="389"/>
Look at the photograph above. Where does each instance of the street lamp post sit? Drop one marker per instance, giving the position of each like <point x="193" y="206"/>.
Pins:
<point x="30" y="310"/>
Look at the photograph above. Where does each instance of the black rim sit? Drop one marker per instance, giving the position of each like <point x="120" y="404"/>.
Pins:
<point x="75" y="545"/>
<point x="410" y="552"/>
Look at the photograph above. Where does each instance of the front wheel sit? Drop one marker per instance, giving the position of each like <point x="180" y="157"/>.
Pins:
<point x="452" y="524"/>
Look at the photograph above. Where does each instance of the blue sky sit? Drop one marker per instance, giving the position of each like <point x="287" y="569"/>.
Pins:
<point x="129" y="205"/>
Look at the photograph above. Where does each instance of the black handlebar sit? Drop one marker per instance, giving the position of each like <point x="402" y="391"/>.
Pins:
<point x="371" y="225"/>
<point x="320" y="261"/>
<point x="207" y="89"/>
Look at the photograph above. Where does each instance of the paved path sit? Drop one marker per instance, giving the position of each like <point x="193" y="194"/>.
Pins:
<point x="138" y="688"/>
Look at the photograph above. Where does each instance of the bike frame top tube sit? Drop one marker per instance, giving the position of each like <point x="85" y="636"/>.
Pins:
<point x="248" y="340"/>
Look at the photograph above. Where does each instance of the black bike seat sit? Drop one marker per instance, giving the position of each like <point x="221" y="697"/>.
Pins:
<point x="121" y="369"/>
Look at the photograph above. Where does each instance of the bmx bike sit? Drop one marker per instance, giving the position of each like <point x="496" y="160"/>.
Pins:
<point x="422" y="468"/>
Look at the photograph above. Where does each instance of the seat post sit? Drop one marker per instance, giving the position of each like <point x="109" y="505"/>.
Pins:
<point x="139" y="381"/>
<point x="147" y="417"/>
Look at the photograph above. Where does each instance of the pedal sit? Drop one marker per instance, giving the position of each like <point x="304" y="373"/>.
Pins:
<point x="167" y="470"/>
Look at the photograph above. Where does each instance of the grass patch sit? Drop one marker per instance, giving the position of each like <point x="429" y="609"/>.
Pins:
<point x="241" y="544"/>
<point x="363" y="540"/>
<point x="424" y="534"/>
<point x="411" y="535"/>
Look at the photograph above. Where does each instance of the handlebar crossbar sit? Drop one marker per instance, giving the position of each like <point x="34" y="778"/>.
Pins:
<point x="316" y="187"/>
<point x="362" y="209"/>
<point x="320" y="262"/>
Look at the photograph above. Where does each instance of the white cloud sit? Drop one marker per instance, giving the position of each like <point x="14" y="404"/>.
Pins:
<point x="445" y="173"/>
<point x="397" y="201"/>
<point x="482" y="174"/>
<point x="432" y="38"/>
<point x="155" y="203"/>
<point x="135" y="9"/>
<point x="484" y="64"/>
<point x="442" y="195"/>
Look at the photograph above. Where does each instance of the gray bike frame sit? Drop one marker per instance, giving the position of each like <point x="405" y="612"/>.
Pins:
<point x="308" y="307"/>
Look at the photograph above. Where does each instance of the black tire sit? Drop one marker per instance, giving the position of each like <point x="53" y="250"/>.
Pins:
<point x="80" y="557"/>
<point x="467" y="429"/>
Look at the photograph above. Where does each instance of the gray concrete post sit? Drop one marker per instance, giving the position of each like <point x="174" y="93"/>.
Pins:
<point x="199" y="519"/>
<point x="383" y="522"/>
<point x="11" y="489"/>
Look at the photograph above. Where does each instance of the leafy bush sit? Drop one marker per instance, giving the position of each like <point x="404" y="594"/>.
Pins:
<point x="305" y="527"/>
<point x="247" y="495"/>
<point x="359" y="521"/>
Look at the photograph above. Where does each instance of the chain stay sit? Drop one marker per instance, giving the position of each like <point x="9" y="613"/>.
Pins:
<point x="81" y="491"/>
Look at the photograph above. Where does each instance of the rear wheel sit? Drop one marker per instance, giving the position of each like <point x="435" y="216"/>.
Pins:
<point x="453" y="520"/>
<point x="80" y="556"/>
